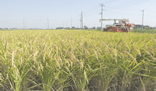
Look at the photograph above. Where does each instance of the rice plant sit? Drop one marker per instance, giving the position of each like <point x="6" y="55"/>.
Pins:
<point x="73" y="60"/>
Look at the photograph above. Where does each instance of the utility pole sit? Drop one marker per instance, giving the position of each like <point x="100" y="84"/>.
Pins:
<point x="82" y="20"/>
<point x="101" y="14"/>
<point x="26" y="26"/>
<point x="63" y="25"/>
<point x="48" y="22"/>
<point x="23" y="24"/>
<point x="80" y="23"/>
<point x="95" y="26"/>
<point x="66" y="24"/>
<point x="142" y="19"/>
<point x="71" y="22"/>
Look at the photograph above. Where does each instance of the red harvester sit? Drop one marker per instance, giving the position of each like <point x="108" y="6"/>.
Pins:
<point x="121" y="26"/>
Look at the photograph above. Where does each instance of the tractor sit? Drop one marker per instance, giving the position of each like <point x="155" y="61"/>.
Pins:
<point x="121" y="26"/>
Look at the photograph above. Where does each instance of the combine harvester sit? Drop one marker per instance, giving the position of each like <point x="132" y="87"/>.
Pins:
<point x="121" y="26"/>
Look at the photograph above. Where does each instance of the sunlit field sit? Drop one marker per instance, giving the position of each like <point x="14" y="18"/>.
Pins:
<point x="77" y="60"/>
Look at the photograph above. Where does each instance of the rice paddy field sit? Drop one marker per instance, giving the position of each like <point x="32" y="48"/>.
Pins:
<point x="77" y="60"/>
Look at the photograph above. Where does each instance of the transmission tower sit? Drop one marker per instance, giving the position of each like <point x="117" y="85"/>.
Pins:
<point x="81" y="21"/>
<point x="101" y="13"/>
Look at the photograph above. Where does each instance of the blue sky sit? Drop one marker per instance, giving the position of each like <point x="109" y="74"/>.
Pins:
<point x="36" y="12"/>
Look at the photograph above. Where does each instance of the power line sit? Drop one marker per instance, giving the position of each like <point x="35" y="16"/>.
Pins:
<point x="127" y="2"/>
<point x="120" y="13"/>
<point x="89" y="13"/>
<point x="110" y="1"/>
<point x="91" y="9"/>
<point x="75" y="20"/>
<point x="131" y="4"/>
<point x="127" y="10"/>
<point x="136" y="3"/>
<point x="127" y="13"/>
<point x="92" y="14"/>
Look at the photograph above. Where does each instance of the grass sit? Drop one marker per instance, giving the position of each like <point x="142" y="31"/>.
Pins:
<point x="67" y="60"/>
